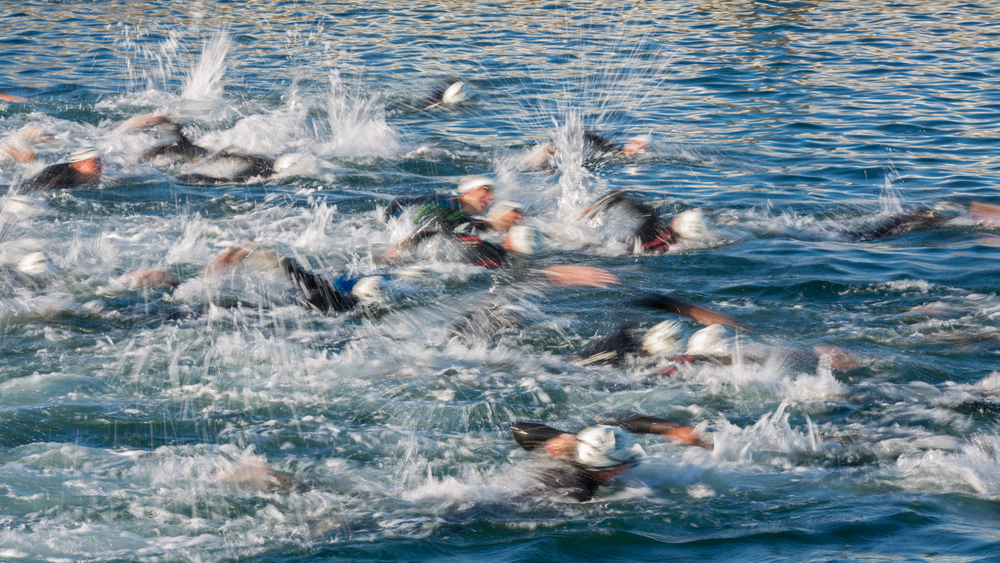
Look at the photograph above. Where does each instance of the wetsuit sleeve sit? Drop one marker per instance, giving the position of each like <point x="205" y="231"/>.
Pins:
<point x="531" y="435"/>
<point x="639" y="424"/>
<point x="55" y="177"/>
<point x="317" y="291"/>
<point x="427" y="228"/>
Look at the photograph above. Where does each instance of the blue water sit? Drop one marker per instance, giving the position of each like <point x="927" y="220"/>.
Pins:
<point x="133" y="421"/>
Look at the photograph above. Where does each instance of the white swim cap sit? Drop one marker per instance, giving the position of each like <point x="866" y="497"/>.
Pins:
<point x="637" y="145"/>
<point x="499" y="208"/>
<point x="35" y="264"/>
<point x="664" y="337"/>
<point x="602" y="447"/>
<point x="470" y="183"/>
<point x="82" y="153"/>
<point x="284" y="162"/>
<point x="455" y="93"/>
<point x="368" y="288"/>
<point x="713" y="340"/>
<point x="690" y="224"/>
<point x="522" y="239"/>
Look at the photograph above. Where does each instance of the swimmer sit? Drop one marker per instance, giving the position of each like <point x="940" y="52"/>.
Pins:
<point x="596" y="148"/>
<point x="228" y="166"/>
<point x="83" y="168"/>
<point x="582" y="462"/>
<point x="33" y="271"/>
<point x="451" y="93"/>
<point x="651" y="235"/>
<point x="312" y="290"/>
<point x="622" y="346"/>
<point x="445" y="214"/>
<point x="177" y="148"/>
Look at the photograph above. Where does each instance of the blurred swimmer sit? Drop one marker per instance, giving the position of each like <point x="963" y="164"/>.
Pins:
<point x="458" y="218"/>
<point x="596" y="148"/>
<point x="442" y="214"/>
<point x="581" y="463"/>
<point x="650" y="235"/>
<point x="228" y="166"/>
<point x="451" y="93"/>
<point x="312" y="290"/>
<point x="83" y="168"/>
<point x="34" y="270"/>
<point x="577" y="464"/>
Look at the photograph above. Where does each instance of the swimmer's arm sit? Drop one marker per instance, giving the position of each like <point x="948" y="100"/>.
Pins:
<point x="144" y="121"/>
<point x="578" y="276"/>
<point x="531" y="435"/>
<point x="641" y="424"/>
<point x="19" y="152"/>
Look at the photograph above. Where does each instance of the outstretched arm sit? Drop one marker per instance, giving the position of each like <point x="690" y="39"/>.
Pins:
<point x="144" y="121"/>
<point x="531" y="435"/>
<point x="584" y="276"/>
<point x="641" y="424"/>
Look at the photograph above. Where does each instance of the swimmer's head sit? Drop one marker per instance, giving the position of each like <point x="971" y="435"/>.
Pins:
<point x="35" y="264"/>
<point x="87" y="164"/>
<point x="285" y="162"/>
<point x="600" y="448"/>
<point x="455" y="93"/>
<point x="368" y="288"/>
<point x="469" y="183"/>
<point x="476" y="192"/>
<point x="81" y="154"/>
<point x="663" y="338"/>
<point x="713" y="340"/>
<point x="637" y="145"/>
<point x="690" y="224"/>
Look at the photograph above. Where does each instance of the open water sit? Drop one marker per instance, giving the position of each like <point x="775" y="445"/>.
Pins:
<point x="132" y="420"/>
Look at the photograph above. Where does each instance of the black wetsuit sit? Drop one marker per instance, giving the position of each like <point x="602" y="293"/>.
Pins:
<point x="56" y="177"/>
<point x="651" y="234"/>
<point x="445" y="215"/>
<point x="898" y="225"/>
<point x="317" y="292"/>
<point x="179" y="151"/>
<point x="247" y="167"/>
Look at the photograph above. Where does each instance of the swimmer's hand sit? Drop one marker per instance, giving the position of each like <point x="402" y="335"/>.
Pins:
<point x="561" y="447"/>
<point x="226" y="259"/>
<point x="583" y="276"/>
<point x="685" y="435"/>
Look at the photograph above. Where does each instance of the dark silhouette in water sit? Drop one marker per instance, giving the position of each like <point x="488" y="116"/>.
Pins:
<point x="179" y="150"/>
<point x="911" y="221"/>
<point x="314" y="291"/>
<point x="84" y="167"/>
<point x="228" y="166"/>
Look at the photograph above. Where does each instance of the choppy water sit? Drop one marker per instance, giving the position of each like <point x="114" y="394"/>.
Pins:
<point x="128" y="418"/>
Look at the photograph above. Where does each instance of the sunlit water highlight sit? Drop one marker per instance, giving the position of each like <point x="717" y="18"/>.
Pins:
<point x="136" y="421"/>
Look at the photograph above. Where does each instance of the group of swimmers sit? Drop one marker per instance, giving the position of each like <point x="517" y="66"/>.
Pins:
<point x="490" y="234"/>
